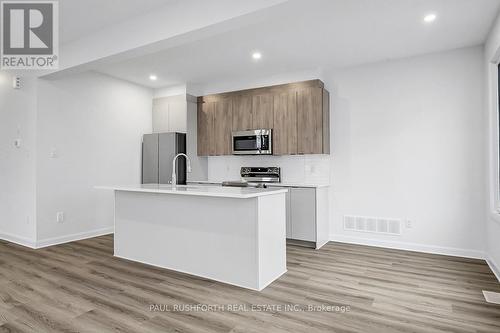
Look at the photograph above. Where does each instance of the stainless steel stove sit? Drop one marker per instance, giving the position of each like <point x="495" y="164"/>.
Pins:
<point x="261" y="174"/>
<point x="256" y="177"/>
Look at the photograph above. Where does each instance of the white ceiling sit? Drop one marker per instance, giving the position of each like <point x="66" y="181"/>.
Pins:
<point x="316" y="34"/>
<point x="79" y="18"/>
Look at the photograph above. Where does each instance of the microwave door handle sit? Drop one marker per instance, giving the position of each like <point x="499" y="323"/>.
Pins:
<point x="259" y="142"/>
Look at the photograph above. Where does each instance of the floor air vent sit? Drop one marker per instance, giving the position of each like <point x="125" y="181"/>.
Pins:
<point x="372" y="224"/>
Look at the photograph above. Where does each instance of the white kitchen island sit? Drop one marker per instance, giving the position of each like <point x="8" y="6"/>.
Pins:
<point x="231" y="235"/>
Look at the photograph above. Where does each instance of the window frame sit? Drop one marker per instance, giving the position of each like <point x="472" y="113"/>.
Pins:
<point x="496" y="137"/>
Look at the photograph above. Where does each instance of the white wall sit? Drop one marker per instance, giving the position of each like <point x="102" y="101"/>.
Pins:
<point x="17" y="165"/>
<point x="94" y="124"/>
<point x="170" y="91"/>
<point x="408" y="143"/>
<point x="491" y="58"/>
<point x="218" y="86"/>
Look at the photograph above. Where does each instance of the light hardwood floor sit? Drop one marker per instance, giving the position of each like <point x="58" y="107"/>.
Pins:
<point x="81" y="287"/>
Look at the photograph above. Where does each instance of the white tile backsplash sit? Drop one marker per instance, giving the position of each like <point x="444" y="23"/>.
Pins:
<point x="294" y="169"/>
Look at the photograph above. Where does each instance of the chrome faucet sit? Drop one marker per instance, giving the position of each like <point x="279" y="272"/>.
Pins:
<point x="174" y="173"/>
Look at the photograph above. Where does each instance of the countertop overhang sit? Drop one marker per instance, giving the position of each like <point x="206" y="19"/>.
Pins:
<point x="201" y="190"/>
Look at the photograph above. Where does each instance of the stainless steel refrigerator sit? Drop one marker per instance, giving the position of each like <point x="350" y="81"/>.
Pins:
<point x="158" y="151"/>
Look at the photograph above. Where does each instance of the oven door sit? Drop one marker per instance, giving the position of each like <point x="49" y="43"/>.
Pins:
<point x="255" y="142"/>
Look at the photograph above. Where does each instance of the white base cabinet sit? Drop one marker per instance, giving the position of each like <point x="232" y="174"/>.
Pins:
<point x="303" y="214"/>
<point x="307" y="215"/>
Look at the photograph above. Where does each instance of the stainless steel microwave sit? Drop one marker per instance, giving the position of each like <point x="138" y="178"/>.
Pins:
<point x="253" y="142"/>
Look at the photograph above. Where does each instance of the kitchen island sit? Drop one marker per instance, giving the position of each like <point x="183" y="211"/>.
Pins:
<point x="232" y="235"/>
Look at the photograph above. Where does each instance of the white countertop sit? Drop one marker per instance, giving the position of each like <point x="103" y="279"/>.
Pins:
<point x="285" y="184"/>
<point x="202" y="190"/>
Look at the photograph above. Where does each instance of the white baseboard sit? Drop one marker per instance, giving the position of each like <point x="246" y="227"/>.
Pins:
<point x="74" y="237"/>
<point x="494" y="267"/>
<point x="31" y="243"/>
<point x="449" y="251"/>
<point x="55" y="240"/>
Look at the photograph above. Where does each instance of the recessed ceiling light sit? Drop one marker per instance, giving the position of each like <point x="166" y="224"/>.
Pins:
<point x="430" y="18"/>
<point x="153" y="77"/>
<point x="256" y="55"/>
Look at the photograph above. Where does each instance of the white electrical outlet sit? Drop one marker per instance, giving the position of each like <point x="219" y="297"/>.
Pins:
<point x="60" y="217"/>
<point x="17" y="143"/>
<point x="409" y="224"/>
<point x="16" y="82"/>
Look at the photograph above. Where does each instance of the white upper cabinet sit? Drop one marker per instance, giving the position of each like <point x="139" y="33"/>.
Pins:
<point x="177" y="116"/>
<point x="170" y="114"/>
<point x="160" y="115"/>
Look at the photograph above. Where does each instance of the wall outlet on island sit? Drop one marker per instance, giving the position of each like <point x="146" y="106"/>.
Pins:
<point x="409" y="224"/>
<point x="60" y="217"/>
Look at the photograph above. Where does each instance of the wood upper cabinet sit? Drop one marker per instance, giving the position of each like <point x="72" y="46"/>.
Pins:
<point x="214" y="127"/>
<point x="285" y="123"/>
<point x="262" y="111"/>
<point x="298" y="113"/>
<point x="242" y="113"/>
<point x="310" y="121"/>
<point x="223" y="119"/>
<point x="206" y="129"/>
